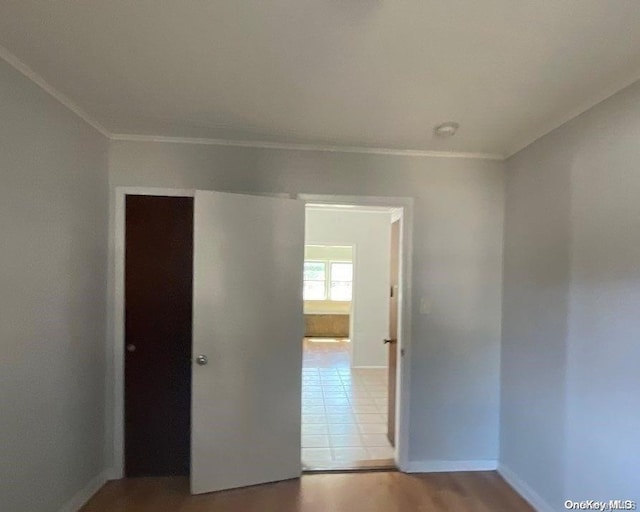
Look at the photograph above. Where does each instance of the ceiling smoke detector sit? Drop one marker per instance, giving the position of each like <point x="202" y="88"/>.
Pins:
<point x="445" y="130"/>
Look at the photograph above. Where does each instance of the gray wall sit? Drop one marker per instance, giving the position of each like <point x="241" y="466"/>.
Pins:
<point x="571" y="328"/>
<point x="53" y="227"/>
<point x="457" y="263"/>
<point x="603" y="399"/>
<point x="535" y="315"/>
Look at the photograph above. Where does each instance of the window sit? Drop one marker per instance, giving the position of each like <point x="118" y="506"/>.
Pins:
<point x="341" y="281"/>
<point x="315" y="280"/>
<point x="328" y="280"/>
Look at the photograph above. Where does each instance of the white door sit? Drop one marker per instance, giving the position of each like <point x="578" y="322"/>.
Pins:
<point x="248" y="323"/>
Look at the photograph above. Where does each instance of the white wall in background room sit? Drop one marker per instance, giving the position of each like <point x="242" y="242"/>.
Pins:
<point x="369" y="232"/>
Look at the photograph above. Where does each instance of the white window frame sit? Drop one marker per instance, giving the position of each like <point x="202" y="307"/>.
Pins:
<point x="330" y="280"/>
<point x="327" y="275"/>
<point x="327" y="279"/>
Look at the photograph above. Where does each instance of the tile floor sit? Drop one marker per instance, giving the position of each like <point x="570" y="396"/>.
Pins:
<point x="344" y="410"/>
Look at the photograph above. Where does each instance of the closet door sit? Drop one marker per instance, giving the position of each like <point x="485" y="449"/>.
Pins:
<point x="158" y="295"/>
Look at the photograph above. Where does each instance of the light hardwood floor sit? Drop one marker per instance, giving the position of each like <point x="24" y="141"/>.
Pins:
<point x="345" y="492"/>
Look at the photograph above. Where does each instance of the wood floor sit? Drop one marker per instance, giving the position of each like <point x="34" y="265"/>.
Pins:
<point x="345" y="492"/>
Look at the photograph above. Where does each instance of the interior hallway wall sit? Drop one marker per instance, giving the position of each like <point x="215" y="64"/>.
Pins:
<point x="457" y="263"/>
<point x="53" y="227"/>
<point x="370" y="232"/>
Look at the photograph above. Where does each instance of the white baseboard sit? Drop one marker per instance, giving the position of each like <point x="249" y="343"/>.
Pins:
<point x="440" y="466"/>
<point x="523" y="489"/>
<point x="84" y="494"/>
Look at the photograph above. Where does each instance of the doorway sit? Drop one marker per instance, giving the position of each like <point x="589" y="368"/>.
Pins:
<point x="351" y="289"/>
<point x="245" y="212"/>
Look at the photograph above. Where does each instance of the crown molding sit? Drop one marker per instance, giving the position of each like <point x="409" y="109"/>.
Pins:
<point x="523" y="143"/>
<point x="21" y="67"/>
<point x="305" y="147"/>
<point x="573" y="114"/>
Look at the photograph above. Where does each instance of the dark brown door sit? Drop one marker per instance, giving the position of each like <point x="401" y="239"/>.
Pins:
<point x="158" y="313"/>
<point x="393" y="330"/>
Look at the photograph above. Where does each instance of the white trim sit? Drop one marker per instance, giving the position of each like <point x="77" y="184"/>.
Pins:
<point x="524" y="142"/>
<point x="572" y="114"/>
<point x="524" y="490"/>
<point x="352" y="313"/>
<point x="21" y="67"/>
<point x="403" y="388"/>
<point x="374" y="367"/>
<point x="85" y="494"/>
<point x="443" y="466"/>
<point x="306" y="147"/>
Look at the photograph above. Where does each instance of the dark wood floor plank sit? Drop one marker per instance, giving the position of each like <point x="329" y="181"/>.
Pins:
<point x="479" y="491"/>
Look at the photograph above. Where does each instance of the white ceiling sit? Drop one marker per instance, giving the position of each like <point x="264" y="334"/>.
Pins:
<point x="373" y="73"/>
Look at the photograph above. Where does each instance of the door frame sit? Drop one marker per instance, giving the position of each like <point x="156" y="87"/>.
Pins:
<point x="114" y="386"/>
<point x="403" y="380"/>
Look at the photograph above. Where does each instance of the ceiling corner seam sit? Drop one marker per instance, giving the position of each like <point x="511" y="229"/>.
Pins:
<point x="29" y="73"/>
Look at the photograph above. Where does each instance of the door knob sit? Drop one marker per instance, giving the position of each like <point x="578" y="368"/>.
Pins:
<point x="131" y="347"/>
<point x="387" y="340"/>
<point x="202" y="360"/>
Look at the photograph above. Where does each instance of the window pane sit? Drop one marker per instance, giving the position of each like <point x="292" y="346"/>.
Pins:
<point x="313" y="290"/>
<point x="342" y="272"/>
<point x="340" y="290"/>
<point x="314" y="270"/>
